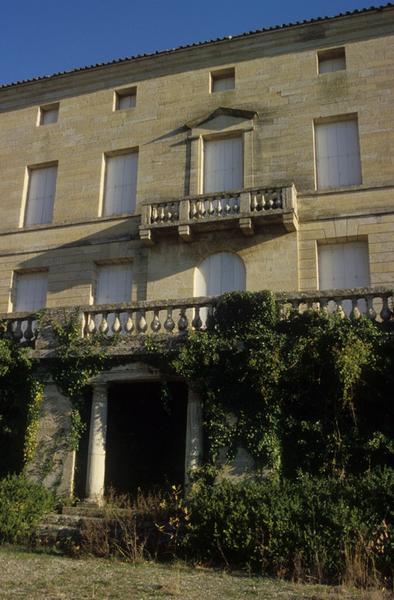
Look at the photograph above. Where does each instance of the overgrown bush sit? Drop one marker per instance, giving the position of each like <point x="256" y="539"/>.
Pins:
<point x="15" y="397"/>
<point x="310" y="392"/>
<point x="308" y="528"/>
<point x="22" y="505"/>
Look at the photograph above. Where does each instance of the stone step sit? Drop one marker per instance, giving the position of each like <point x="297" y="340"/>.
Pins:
<point x="69" y="520"/>
<point x="91" y="511"/>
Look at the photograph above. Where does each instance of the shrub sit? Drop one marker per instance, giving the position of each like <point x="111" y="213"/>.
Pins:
<point x="22" y="505"/>
<point x="307" y="528"/>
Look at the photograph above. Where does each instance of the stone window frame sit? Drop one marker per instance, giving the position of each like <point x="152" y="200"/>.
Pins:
<point x="26" y="189"/>
<point x="227" y="73"/>
<point x="322" y="120"/>
<point x="331" y="53"/>
<point x="44" y="109"/>
<point x="241" y="127"/>
<point x="124" y="92"/>
<point x="107" y="262"/>
<point x="104" y="166"/>
<point x="17" y="272"/>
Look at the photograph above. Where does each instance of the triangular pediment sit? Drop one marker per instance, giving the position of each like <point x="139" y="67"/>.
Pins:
<point x="221" y="115"/>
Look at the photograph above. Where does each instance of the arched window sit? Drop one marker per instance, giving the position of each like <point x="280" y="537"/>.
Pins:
<point x="219" y="273"/>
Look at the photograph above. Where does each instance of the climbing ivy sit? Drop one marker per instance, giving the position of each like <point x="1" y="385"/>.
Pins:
<point x="33" y="416"/>
<point x="77" y="360"/>
<point x="16" y="382"/>
<point x="308" y="392"/>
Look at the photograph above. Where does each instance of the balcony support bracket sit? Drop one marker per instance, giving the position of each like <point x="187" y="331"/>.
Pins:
<point x="146" y="236"/>
<point x="246" y="226"/>
<point x="185" y="233"/>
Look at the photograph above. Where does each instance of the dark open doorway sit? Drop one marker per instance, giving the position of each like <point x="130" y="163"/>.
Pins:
<point x="145" y="436"/>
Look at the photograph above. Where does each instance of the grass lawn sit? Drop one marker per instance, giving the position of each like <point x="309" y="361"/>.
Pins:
<point x="38" y="576"/>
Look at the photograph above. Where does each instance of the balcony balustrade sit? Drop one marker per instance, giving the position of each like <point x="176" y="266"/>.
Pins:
<point x="176" y="317"/>
<point x="246" y="209"/>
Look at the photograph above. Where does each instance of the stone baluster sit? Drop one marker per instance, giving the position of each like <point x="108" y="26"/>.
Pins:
<point x="18" y="332"/>
<point x="211" y="206"/>
<point x="371" y="313"/>
<point x="169" y="323"/>
<point x="385" y="313"/>
<point x="29" y="334"/>
<point x="324" y="305"/>
<point x="35" y="329"/>
<point x="210" y="321"/>
<point x="129" y="325"/>
<point x="155" y="214"/>
<point x="197" y="322"/>
<point x="193" y="209"/>
<point x="176" y="211"/>
<point x="201" y="208"/>
<point x="141" y="322"/>
<point x="117" y="325"/>
<point x="155" y="325"/>
<point x="182" y="321"/>
<point x="340" y="310"/>
<point x="103" y="327"/>
<point x="91" y="324"/>
<point x="355" y="312"/>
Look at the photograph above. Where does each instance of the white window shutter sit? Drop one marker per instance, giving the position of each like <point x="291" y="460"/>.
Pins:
<point x="120" y="184"/>
<point x="31" y="291"/>
<point x="221" y="84"/>
<point x="343" y="266"/>
<point x="220" y="273"/>
<point x="49" y="115"/>
<point x="41" y="195"/>
<point x="223" y="165"/>
<point x="126" y="101"/>
<point x="113" y="284"/>
<point x="328" y="65"/>
<point x="337" y="154"/>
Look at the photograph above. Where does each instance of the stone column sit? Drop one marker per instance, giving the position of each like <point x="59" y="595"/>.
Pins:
<point x="193" y="454"/>
<point x="97" y="440"/>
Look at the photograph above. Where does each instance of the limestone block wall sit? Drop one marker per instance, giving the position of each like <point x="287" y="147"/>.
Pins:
<point x="53" y="461"/>
<point x="276" y="76"/>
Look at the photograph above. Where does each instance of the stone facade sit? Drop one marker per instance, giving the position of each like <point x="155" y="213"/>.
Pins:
<point x="278" y="96"/>
<point x="276" y="76"/>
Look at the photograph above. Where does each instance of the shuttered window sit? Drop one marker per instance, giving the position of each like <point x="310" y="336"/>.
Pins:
<point x="223" y="80"/>
<point x="223" y="164"/>
<point x="125" y="98"/>
<point x="219" y="273"/>
<point x="120" y="184"/>
<point x="113" y="284"/>
<point x="41" y="195"/>
<point x="30" y="291"/>
<point x="337" y="154"/>
<point x="343" y="266"/>
<point x="49" y="114"/>
<point x="332" y="60"/>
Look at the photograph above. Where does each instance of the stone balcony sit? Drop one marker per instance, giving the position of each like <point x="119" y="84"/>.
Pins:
<point x="246" y="209"/>
<point x="174" y="318"/>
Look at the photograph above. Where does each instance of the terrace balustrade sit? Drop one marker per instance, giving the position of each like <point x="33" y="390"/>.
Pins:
<point x="176" y="317"/>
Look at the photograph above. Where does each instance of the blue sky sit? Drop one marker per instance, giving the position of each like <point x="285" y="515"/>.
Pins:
<point x="45" y="36"/>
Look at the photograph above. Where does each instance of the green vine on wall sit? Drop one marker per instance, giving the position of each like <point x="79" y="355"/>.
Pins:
<point x="309" y="392"/>
<point x="77" y="360"/>
<point x="33" y="420"/>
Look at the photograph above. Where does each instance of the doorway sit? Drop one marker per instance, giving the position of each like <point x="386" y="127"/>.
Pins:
<point x="146" y="436"/>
